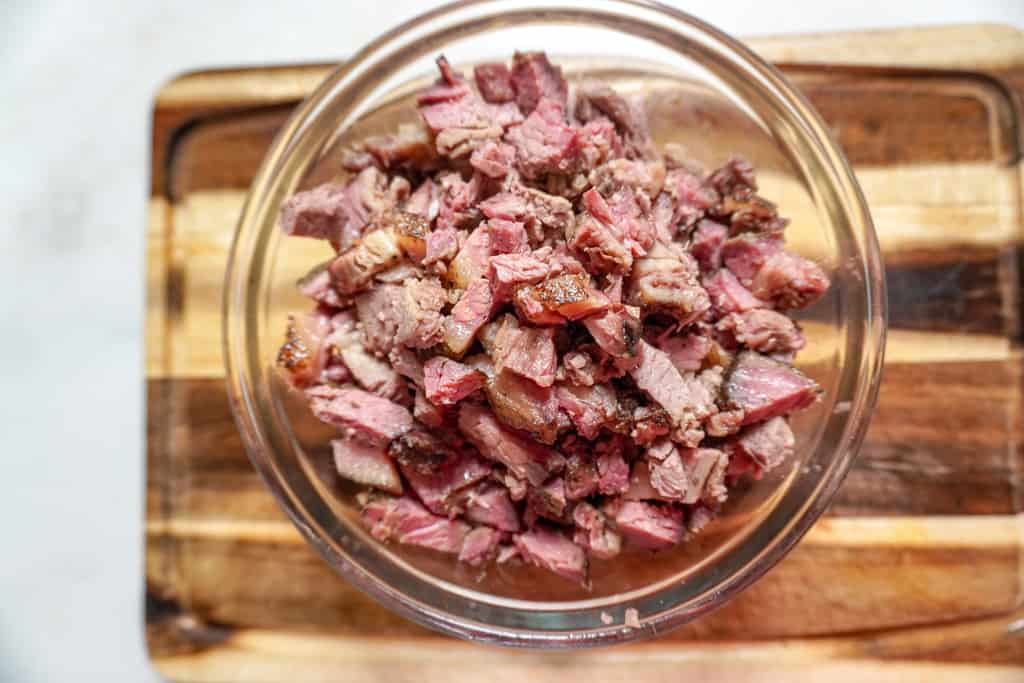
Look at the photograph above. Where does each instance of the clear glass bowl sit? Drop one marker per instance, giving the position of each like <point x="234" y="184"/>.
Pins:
<point x="704" y="90"/>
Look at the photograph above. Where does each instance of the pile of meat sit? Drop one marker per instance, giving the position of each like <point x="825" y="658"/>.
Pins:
<point x="541" y="339"/>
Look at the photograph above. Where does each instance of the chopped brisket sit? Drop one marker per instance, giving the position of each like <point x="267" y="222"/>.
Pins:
<point x="765" y="388"/>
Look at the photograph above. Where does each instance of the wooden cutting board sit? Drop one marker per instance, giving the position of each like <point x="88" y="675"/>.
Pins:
<point x="915" y="573"/>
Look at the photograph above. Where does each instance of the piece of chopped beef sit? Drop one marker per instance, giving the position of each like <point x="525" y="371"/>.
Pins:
<point x="494" y="82"/>
<point x="534" y="78"/>
<point x="590" y="408"/>
<point x="367" y="464"/>
<point x="706" y="244"/>
<point x="410" y="148"/>
<point x="548" y="501"/>
<point x="544" y="546"/>
<point x="524" y="405"/>
<point x="668" y="285"/>
<point x="494" y="159"/>
<point x="438" y="486"/>
<point x="686" y="351"/>
<point x="765" y="388"/>
<point x="318" y="286"/>
<point x="507" y="237"/>
<point x="595" y="99"/>
<point x="425" y="201"/>
<point x="480" y="546"/>
<point x="304" y="353"/>
<point x="468" y="316"/>
<point x="581" y="476"/>
<point x="616" y="331"/>
<point x="447" y="381"/>
<point x="613" y="471"/>
<point x="526" y="351"/>
<point x="789" y="281"/>
<point x="472" y="261"/>
<point x="374" y="418"/>
<point x="524" y="458"/>
<point x="736" y="176"/>
<point x="490" y="504"/>
<point x="649" y="525"/>
<point x="442" y="245"/>
<point x="762" y="330"/>
<point x="767" y="443"/>
<point x="643" y="176"/>
<point x="594" y="533"/>
<point x="544" y="142"/>
<point x="687" y="197"/>
<point x="727" y="295"/>
<point x="509" y="271"/>
<point x="746" y="254"/>
<point x="405" y="521"/>
<point x="686" y="398"/>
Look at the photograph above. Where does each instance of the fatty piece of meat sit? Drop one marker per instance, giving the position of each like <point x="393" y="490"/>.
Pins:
<point x="446" y="382"/>
<point x="643" y="176"/>
<point x="579" y="368"/>
<point x="728" y="295"/>
<point x="481" y="544"/>
<point x="527" y="351"/>
<point x="590" y="408"/>
<point x="531" y="310"/>
<point x="473" y="259"/>
<point x="494" y="159"/>
<point x="789" y="281"/>
<point x="468" y="316"/>
<point x="438" y="488"/>
<point x="325" y="212"/>
<point x="569" y="296"/>
<point x="525" y="459"/>
<point x="376" y="419"/>
<point x="706" y="244"/>
<point x="544" y="142"/>
<point x="686" y="398"/>
<point x="595" y="99"/>
<point x="686" y="351"/>
<point x="617" y="331"/>
<point x="507" y="237"/>
<point x="366" y="464"/>
<point x="509" y="271"/>
<point x="521" y="404"/>
<point x="375" y="252"/>
<point x="545" y="547"/>
<point x="745" y="254"/>
<point x="594" y="533"/>
<point x="649" y="525"/>
<point x="304" y="354"/>
<point x="767" y="443"/>
<point x="668" y="285"/>
<point x="764" y="388"/>
<point x="490" y="504"/>
<point x="494" y="81"/>
<point x="534" y="79"/>
<point x="406" y="521"/>
<point x="762" y="330"/>
<point x="688" y="475"/>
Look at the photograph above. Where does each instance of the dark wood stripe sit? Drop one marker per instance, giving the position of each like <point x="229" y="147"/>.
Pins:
<point x="878" y="119"/>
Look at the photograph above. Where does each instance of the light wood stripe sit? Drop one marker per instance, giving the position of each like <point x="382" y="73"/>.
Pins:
<point x="974" y="531"/>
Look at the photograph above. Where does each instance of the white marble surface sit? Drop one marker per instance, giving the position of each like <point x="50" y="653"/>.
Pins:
<point x="77" y="79"/>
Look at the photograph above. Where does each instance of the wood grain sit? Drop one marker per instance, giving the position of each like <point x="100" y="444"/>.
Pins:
<point x="914" y="573"/>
